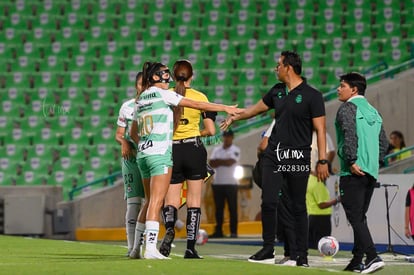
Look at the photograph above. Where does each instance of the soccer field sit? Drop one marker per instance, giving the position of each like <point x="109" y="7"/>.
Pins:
<point x="20" y="255"/>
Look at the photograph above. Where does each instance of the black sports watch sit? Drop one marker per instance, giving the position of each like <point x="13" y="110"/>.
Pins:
<point x="323" y="161"/>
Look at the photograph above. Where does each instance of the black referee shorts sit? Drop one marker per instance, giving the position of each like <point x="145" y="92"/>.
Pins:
<point x="189" y="160"/>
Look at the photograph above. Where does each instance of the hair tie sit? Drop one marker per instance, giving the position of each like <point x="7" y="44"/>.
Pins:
<point x="181" y="78"/>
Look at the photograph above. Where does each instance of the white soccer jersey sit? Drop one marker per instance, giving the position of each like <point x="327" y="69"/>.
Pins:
<point x="225" y="174"/>
<point x="126" y="116"/>
<point x="155" y="121"/>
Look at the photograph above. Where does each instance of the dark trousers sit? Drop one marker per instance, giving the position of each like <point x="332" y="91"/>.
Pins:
<point x="223" y="193"/>
<point x="285" y="223"/>
<point x="356" y="193"/>
<point x="319" y="226"/>
<point x="296" y="185"/>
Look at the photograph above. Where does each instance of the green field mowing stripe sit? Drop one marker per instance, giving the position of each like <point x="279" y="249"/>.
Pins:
<point x="20" y="255"/>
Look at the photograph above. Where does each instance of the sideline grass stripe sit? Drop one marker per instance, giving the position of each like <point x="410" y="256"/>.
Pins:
<point x="39" y="256"/>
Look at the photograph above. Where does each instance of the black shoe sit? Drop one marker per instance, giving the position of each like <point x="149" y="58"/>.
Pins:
<point x="264" y="255"/>
<point x="373" y="265"/>
<point x="302" y="261"/>
<point x="216" y="235"/>
<point x="165" y="247"/>
<point x="233" y="235"/>
<point x="191" y="254"/>
<point x="355" y="265"/>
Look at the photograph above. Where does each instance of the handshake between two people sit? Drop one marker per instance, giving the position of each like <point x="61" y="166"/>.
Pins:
<point x="236" y="115"/>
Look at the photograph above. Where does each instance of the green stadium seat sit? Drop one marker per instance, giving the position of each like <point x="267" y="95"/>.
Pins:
<point x="40" y="149"/>
<point x="103" y="151"/>
<point x="105" y="136"/>
<point x="327" y="31"/>
<point x="47" y="135"/>
<point x="32" y="178"/>
<point x="397" y="55"/>
<point x="211" y="28"/>
<point x="56" y="7"/>
<point x="270" y="5"/>
<point x="43" y="21"/>
<point x="389" y="29"/>
<point x="66" y="36"/>
<point x="77" y="135"/>
<point x="5" y="178"/>
<point x="270" y="30"/>
<point x="56" y="58"/>
<point x="77" y="60"/>
<point x="206" y="5"/>
<point x="245" y="77"/>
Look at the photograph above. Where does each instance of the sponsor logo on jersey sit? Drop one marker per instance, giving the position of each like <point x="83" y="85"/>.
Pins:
<point x="144" y="106"/>
<point x="184" y="121"/>
<point x="147" y="144"/>
<point x="148" y="96"/>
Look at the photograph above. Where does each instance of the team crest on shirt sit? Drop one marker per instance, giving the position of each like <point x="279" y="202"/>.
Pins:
<point x="279" y="94"/>
<point x="298" y="99"/>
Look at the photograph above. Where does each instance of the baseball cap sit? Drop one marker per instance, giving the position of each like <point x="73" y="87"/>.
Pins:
<point x="228" y="132"/>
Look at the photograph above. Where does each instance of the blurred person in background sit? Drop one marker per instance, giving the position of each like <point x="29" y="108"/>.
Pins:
<point x="224" y="159"/>
<point x="318" y="201"/>
<point x="397" y="143"/>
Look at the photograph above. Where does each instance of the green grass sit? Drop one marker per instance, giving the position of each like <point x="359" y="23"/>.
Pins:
<point x="19" y="255"/>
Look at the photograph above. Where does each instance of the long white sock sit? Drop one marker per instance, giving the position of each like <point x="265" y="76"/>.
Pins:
<point x="139" y="231"/>
<point x="151" y="235"/>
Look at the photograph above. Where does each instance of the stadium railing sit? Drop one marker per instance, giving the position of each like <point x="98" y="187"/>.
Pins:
<point x="408" y="170"/>
<point x="111" y="179"/>
<point x="390" y="157"/>
<point x="387" y="73"/>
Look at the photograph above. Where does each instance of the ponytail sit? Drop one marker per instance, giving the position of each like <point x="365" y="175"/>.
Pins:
<point x="182" y="71"/>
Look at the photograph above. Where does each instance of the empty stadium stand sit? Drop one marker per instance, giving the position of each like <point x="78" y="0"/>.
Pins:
<point x="67" y="65"/>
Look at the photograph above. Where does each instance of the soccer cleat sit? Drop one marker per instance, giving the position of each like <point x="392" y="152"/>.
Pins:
<point x="263" y="256"/>
<point x="165" y="247"/>
<point x="136" y="253"/>
<point x="128" y="253"/>
<point x="155" y="255"/>
<point x="354" y="266"/>
<point x="373" y="265"/>
<point x="302" y="261"/>
<point x="191" y="254"/>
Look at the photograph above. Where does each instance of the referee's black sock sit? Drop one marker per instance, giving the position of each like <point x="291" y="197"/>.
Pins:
<point x="193" y="224"/>
<point x="169" y="214"/>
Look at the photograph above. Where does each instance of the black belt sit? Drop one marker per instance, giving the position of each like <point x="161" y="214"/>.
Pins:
<point x="186" y="140"/>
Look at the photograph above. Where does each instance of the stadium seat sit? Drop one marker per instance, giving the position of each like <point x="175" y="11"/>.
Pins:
<point x="5" y="178"/>
<point x="70" y="64"/>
